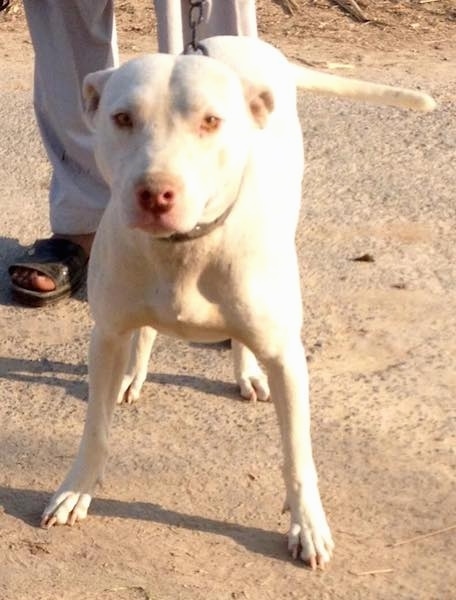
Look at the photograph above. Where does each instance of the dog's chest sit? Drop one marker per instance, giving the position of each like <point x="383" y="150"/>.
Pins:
<point x="180" y="309"/>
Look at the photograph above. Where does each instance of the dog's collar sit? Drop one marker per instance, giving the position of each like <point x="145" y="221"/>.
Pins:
<point x="199" y="230"/>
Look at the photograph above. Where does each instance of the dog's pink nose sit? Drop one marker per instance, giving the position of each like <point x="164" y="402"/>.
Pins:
<point x="155" y="200"/>
<point x="156" y="195"/>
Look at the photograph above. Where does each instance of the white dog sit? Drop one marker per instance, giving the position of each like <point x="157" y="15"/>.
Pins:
<point x="204" y="158"/>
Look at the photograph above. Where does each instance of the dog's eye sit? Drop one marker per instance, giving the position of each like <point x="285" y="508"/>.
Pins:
<point x="122" y="120"/>
<point x="210" y="123"/>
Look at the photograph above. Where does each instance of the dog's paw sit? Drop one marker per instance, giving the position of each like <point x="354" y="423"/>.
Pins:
<point x="65" y="508"/>
<point x="311" y="543"/>
<point x="130" y="389"/>
<point x="254" y="386"/>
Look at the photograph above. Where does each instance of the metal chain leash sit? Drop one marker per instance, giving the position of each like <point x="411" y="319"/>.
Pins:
<point x="197" y="15"/>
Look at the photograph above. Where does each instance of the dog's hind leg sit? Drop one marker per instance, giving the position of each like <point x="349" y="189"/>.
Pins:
<point x="141" y="346"/>
<point x="309" y="537"/>
<point x="108" y="358"/>
<point x="252" y="382"/>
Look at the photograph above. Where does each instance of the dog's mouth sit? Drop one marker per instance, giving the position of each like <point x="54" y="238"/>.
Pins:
<point x="174" y="227"/>
<point x="159" y="225"/>
<point x="200" y="229"/>
<point x="163" y="223"/>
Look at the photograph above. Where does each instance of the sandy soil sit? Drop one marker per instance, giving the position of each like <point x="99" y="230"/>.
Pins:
<point x="191" y="504"/>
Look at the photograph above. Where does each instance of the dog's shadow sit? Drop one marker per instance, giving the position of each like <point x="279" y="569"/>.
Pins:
<point x="73" y="378"/>
<point x="27" y="505"/>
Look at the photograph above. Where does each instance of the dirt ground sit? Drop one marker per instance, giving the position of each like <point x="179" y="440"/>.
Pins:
<point x="190" y="508"/>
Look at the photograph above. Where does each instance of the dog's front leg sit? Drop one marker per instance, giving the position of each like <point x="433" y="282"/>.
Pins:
<point x="309" y="537"/>
<point x="108" y="356"/>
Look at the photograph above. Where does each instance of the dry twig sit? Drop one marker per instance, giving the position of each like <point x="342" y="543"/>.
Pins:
<point x="291" y="6"/>
<point x="422" y="536"/>
<point x="136" y="588"/>
<point x="374" y="572"/>
<point x="353" y="9"/>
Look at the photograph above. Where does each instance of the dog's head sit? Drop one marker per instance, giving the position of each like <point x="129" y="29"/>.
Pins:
<point x="172" y="137"/>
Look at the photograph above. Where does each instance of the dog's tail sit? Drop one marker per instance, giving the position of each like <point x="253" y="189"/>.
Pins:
<point x="344" y="87"/>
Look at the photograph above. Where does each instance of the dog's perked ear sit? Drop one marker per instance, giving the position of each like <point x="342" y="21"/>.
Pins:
<point x="92" y="88"/>
<point x="261" y="103"/>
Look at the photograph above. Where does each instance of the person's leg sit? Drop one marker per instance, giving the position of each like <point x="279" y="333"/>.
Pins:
<point x="70" y="39"/>
<point x="230" y="17"/>
<point x="224" y="17"/>
<point x="170" y="25"/>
